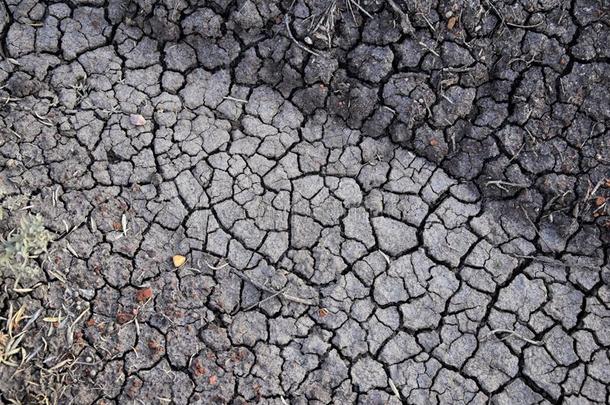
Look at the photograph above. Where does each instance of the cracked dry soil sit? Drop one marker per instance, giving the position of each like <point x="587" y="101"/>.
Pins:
<point x="409" y="216"/>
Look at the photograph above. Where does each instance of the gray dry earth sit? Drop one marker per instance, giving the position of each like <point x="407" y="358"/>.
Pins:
<point x="414" y="190"/>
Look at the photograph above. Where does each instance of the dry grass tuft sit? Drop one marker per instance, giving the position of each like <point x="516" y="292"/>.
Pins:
<point x="29" y="240"/>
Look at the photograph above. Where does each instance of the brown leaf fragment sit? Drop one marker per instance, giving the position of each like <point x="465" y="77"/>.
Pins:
<point x="599" y="201"/>
<point x="198" y="368"/>
<point x="144" y="294"/>
<point x="451" y="22"/>
<point x="124" y="317"/>
<point x="134" y="388"/>
<point x="154" y="346"/>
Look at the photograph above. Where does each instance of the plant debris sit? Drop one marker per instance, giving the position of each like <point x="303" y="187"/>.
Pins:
<point x="144" y="294"/>
<point x="178" y="260"/>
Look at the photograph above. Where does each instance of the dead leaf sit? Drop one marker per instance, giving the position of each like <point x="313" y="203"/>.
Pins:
<point x="77" y="336"/>
<point x="124" y="317"/>
<point x="3" y="340"/>
<point x="433" y="142"/>
<point x="213" y="379"/>
<point x="144" y="294"/>
<point x="137" y="120"/>
<point x="16" y="319"/>
<point x="451" y="22"/>
<point x="599" y="201"/>
<point x="154" y="346"/>
<point x="134" y="388"/>
<point x="178" y="260"/>
<point x="198" y="369"/>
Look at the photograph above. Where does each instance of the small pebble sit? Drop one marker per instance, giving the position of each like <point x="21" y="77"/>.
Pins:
<point x="137" y="120"/>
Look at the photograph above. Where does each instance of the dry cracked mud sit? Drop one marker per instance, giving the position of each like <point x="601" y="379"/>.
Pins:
<point x="379" y="202"/>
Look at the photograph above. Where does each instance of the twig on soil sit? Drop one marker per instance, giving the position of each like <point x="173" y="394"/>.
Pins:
<point x="496" y="11"/>
<point x="523" y="26"/>
<point x="325" y="23"/>
<point x="447" y="98"/>
<point x="43" y="120"/>
<point x="8" y="99"/>
<point x="58" y="276"/>
<point x="536" y="229"/>
<point x="555" y="198"/>
<point x="427" y="21"/>
<point x="513" y="333"/>
<point x="124" y="224"/>
<point x="501" y="183"/>
<point x="394" y="389"/>
<point x="554" y="262"/>
<point x="303" y="47"/>
<point x="54" y="196"/>
<point x="458" y="69"/>
<point x="238" y="100"/>
<point x="351" y="10"/>
<point x="70" y="330"/>
<point x="271" y="290"/>
<point x="589" y="137"/>
<point x="216" y="267"/>
<point x="359" y="7"/>
<point x="515" y="155"/>
<point x="386" y="257"/>
<point x="527" y="62"/>
<point x="70" y="249"/>
<point x="265" y="299"/>
<point x="592" y="191"/>
<point x="23" y="290"/>
<point x="405" y="22"/>
<point x="429" y="49"/>
<point x="14" y="132"/>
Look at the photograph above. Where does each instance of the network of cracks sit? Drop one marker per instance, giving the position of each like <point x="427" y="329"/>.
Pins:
<point x="378" y="202"/>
